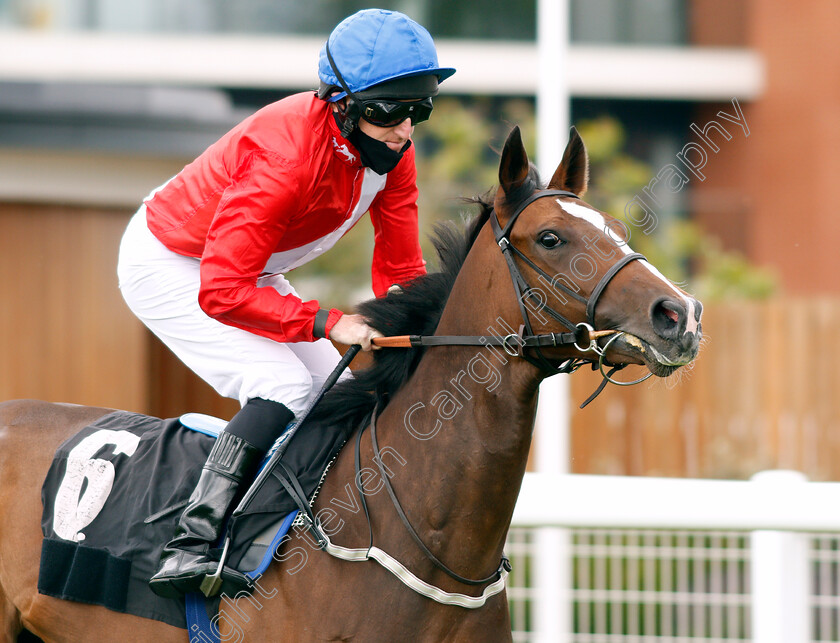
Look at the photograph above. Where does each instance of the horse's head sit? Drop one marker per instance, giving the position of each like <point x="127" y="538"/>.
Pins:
<point x="577" y="268"/>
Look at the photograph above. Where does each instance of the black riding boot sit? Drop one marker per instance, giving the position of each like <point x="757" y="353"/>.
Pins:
<point x="235" y="456"/>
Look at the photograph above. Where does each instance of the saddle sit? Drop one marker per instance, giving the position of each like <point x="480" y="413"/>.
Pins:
<point x="115" y="490"/>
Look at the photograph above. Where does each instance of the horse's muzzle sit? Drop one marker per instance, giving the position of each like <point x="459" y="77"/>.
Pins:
<point x="677" y="323"/>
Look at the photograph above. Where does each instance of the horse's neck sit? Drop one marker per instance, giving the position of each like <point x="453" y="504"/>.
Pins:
<point x="466" y="442"/>
<point x="464" y="423"/>
<point x="475" y="412"/>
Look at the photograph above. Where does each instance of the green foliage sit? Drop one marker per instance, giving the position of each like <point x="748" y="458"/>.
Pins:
<point x="680" y="248"/>
<point x="458" y="155"/>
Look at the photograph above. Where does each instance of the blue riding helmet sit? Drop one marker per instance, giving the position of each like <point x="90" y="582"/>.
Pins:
<point x="375" y="46"/>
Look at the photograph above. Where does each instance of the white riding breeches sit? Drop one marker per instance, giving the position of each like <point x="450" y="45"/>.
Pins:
<point x="161" y="289"/>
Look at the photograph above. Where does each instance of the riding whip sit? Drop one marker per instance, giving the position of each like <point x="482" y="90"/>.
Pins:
<point x="288" y="435"/>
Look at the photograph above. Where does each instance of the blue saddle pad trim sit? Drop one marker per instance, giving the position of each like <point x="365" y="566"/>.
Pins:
<point x="199" y="623"/>
<point x="199" y="626"/>
<point x="275" y="542"/>
<point x="206" y="424"/>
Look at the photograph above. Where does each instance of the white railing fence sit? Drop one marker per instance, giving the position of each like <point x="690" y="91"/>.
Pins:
<point x="653" y="560"/>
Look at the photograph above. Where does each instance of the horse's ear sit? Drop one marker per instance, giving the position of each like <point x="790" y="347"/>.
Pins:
<point x="513" y="169"/>
<point x="573" y="172"/>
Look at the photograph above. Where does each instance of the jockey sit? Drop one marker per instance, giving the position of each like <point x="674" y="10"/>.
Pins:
<point x="203" y="261"/>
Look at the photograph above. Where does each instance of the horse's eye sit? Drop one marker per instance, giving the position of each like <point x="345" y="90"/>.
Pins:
<point x="549" y="240"/>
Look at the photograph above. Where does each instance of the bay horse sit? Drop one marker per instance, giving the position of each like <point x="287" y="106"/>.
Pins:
<point x="453" y="426"/>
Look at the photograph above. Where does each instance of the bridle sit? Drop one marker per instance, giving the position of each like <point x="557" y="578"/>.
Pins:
<point x="582" y="336"/>
<point x="513" y="344"/>
<point x="525" y="291"/>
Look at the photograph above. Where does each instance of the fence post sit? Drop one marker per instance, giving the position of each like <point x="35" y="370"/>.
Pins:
<point x="779" y="574"/>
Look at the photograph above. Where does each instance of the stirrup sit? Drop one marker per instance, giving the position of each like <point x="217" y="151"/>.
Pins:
<point x="212" y="583"/>
<point x="225" y="580"/>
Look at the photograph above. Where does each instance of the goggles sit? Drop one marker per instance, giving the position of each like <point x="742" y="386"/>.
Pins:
<point x="379" y="112"/>
<point x="386" y="113"/>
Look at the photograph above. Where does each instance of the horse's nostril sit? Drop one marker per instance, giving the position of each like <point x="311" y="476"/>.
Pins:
<point x="667" y="318"/>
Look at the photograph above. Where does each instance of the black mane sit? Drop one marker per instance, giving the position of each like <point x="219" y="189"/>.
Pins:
<point x="414" y="311"/>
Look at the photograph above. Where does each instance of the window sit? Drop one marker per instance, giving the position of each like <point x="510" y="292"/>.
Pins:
<point x="592" y="21"/>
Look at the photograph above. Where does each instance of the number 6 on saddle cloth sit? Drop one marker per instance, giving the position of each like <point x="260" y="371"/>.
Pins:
<point x="105" y="524"/>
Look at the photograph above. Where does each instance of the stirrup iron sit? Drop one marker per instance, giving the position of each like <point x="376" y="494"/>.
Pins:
<point x="212" y="583"/>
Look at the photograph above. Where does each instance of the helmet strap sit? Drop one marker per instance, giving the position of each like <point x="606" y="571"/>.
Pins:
<point x="349" y="117"/>
<point x="353" y="112"/>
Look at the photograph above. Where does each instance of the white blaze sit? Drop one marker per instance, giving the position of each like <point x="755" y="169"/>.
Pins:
<point x="596" y="219"/>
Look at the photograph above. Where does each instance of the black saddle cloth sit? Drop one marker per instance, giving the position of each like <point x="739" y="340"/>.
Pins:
<point x="115" y="491"/>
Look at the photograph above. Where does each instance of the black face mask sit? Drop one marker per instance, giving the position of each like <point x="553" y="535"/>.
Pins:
<point x="374" y="154"/>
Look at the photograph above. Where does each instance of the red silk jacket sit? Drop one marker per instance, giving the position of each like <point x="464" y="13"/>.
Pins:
<point x="273" y="193"/>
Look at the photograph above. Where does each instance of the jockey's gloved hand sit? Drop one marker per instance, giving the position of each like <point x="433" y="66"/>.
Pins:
<point x="353" y="329"/>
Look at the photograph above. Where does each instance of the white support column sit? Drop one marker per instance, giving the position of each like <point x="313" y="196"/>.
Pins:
<point x="780" y="575"/>
<point x="552" y="573"/>
<point x="553" y="559"/>
<point x="553" y="99"/>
